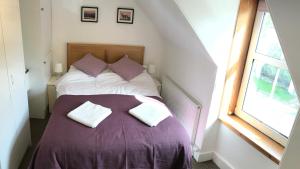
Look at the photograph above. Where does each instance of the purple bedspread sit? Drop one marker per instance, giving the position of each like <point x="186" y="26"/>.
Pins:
<point x="118" y="142"/>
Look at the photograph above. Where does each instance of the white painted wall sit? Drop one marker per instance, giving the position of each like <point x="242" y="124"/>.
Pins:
<point x="214" y="23"/>
<point x="195" y="75"/>
<point x="186" y="61"/>
<point x="36" y="26"/>
<point x="67" y="27"/>
<point x="285" y="16"/>
<point x="238" y="153"/>
<point x="14" y="123"/>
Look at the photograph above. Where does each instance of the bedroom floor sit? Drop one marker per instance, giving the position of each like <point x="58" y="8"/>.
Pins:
<point x="37" y="129"/>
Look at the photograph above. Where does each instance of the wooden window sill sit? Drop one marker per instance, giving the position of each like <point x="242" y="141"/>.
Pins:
<point x="258" y="140"/>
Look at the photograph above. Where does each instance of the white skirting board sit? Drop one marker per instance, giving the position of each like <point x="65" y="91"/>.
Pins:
<point x="202" y="157"/>
<point x="215" y="157"/>
<point x="221" y="162"/>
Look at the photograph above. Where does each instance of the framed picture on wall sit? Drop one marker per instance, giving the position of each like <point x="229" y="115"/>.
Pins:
<point x="89" y="14"/>
<point x="125" y="15"/>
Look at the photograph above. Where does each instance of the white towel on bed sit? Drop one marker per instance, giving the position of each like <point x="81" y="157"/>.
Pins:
<point x="150" y="114"/>
<point x="89" y="114"/>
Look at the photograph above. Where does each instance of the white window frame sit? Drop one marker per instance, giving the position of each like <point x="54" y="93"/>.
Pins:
<point x="252" y="55"/>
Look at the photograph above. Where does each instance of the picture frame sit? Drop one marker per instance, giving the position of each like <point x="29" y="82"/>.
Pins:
<point x="89" y="14"/>
<point x="125" y="15"/>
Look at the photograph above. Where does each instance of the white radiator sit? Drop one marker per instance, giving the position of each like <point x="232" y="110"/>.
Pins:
<point x="186" y="109"/>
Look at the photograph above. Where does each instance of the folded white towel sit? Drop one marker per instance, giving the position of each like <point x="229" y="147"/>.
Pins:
<point x="89" y="114"/>
<point x="150" y="114"/>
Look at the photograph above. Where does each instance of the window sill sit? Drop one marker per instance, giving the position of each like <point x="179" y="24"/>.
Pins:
<point x="258" y="140"/>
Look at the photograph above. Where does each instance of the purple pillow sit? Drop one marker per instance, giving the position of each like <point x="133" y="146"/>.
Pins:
<point x="90" y="65"/>
<point x="126" y="68"/>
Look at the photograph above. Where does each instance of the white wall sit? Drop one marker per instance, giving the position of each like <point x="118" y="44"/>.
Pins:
<point x="195" y="75"/>
<point x="14" y="123"/>
<point x="238" y="153"/>
<point x="285" y="16"/>
<point x="186" y="61"/>
<point x="67" y="27"/>
<point x="214" y="23"/>
<point x="36" y="27"/>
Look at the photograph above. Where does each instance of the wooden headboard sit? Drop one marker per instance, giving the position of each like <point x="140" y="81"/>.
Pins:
<point x="106" y="52"/>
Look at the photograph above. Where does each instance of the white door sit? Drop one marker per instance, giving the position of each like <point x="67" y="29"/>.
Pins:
<point x="12" y="36"/>
<point x="15" y="132"/>
<point x="6" y="122"/>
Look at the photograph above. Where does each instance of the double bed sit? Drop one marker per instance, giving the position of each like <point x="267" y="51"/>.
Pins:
<point x="120" y="141"/>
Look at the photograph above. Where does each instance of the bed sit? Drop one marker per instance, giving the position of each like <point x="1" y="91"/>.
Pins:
<point x="120" y="141"/>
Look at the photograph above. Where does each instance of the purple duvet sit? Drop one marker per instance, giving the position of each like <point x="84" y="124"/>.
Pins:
<point x="118" y="142"/>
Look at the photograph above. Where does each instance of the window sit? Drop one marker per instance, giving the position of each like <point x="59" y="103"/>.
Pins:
<point x="267" y="99"/>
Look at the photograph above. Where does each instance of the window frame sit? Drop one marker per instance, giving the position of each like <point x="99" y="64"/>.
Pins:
<point x="251" y="57"/>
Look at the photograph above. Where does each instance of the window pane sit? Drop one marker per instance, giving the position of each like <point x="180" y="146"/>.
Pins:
<point x="268" y="43"/>
<point x="271" y="98"/>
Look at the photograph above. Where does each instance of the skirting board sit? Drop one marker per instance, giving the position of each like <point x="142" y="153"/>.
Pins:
<point x="215" y="157"/>
<point x="34" y="116"/>
<point x="202" y="157"/>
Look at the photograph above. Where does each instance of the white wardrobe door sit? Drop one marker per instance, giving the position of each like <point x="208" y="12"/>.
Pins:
<point x="12" y="35"/>
<point x="18" y="111"/>
<point x="6" y="121"/>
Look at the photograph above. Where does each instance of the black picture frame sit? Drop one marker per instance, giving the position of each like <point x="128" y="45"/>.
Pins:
<point x="125" y="19"/>
<point x="89" y="14"/>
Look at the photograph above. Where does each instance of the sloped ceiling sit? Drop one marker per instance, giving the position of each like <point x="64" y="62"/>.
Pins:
<point x="213" y="21"/>
<point x="172" y="25"/>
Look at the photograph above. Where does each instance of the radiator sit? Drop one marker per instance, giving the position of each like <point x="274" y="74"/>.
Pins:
<point x="186" y="109"/>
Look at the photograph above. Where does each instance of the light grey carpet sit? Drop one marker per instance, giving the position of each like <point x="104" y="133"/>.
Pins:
<point x="37" y="129"/>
